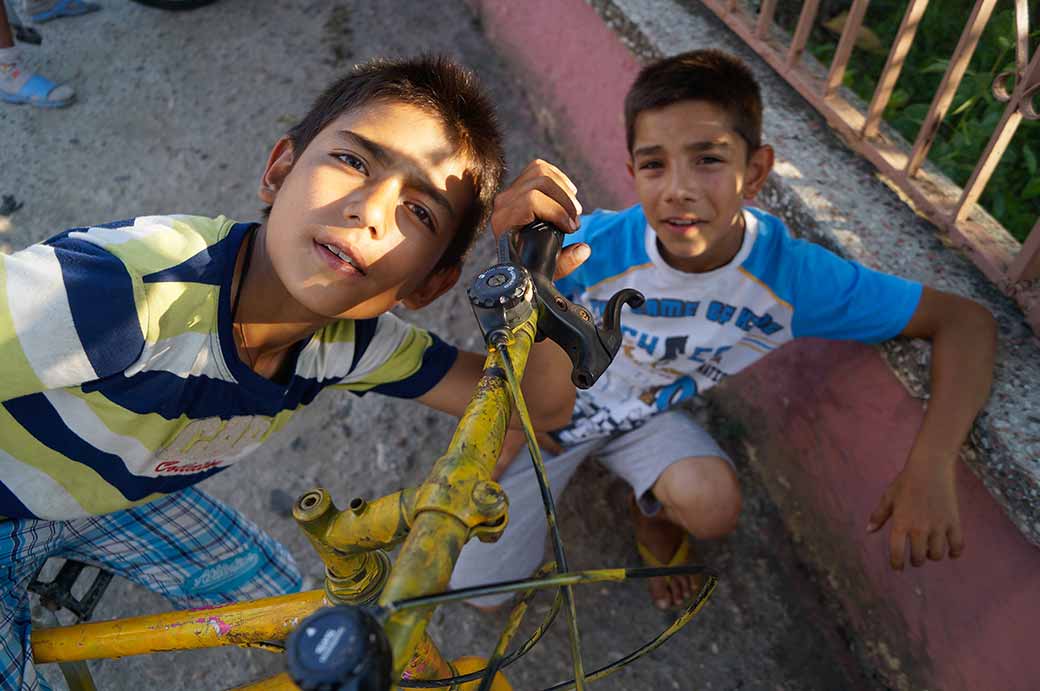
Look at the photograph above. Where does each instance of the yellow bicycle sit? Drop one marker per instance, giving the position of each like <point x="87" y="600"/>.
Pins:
<point x="366" y="630"/>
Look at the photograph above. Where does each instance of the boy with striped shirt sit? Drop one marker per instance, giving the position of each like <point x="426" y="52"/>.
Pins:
<point x="140" y="357"/>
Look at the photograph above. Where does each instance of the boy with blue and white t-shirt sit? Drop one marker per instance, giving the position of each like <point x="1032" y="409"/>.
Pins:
<point x="725" y="285"/>
<point x="696" y="328"/>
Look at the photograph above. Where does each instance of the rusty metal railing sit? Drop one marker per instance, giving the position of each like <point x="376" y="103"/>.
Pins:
<point x="1014" y="267"/>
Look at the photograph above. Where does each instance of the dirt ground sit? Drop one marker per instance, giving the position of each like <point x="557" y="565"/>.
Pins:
<point x="176" y="114"/>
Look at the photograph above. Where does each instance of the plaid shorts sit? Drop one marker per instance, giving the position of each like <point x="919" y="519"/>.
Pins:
<point x="186" y="546"/>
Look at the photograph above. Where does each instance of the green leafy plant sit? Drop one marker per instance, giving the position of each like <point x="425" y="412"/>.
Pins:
<point x="1012" y="195"/>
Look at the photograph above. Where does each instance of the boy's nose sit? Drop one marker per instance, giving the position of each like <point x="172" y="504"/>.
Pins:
<point x="374" y="207"/>
<point x="679" y="188"/>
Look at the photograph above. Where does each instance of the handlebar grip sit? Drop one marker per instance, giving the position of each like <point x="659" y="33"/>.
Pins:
<point x="538" y="245"/>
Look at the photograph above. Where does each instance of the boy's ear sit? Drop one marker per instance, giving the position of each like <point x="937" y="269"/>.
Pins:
<point x="436" y="284"/>
<point x="279" y="163"/>
<point x="758" y="168"/>
<point x="630" y="167"/>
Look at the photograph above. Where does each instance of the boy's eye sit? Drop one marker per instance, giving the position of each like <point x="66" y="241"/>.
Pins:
<point x="424" y="216"/>
<point x="708" y="160"/>
<point x="650" y="165"/>
<point x="354" y="162"/>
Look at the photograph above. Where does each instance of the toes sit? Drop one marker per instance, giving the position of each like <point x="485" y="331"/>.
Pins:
<point x="686" y="585"/>
<point x="675" y="586"/>
<point x="659" y="593"/>
<point x="61" y="94"/>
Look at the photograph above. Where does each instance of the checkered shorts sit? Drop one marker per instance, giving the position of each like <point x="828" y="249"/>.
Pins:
<point x="190" y="548"/>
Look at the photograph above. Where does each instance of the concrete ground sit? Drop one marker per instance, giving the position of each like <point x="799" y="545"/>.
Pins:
<point x="176" y="113"/>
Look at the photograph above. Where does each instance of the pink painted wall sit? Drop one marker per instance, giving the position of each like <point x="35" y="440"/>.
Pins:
<point x="830" y="422"/>
<point x="833" y="421"/>
<point x="581" y="72"/>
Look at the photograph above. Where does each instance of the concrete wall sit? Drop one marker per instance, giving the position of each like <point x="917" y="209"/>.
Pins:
<point x="828" y="425"/>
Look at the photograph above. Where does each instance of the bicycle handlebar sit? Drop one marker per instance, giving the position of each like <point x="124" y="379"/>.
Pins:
<point x="498" y="300"/>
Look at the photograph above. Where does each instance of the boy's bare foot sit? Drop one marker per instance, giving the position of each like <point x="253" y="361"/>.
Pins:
<point x="668" y="545"/>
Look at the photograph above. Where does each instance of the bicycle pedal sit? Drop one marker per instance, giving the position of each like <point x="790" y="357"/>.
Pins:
<point x="26" y="34"/>
<point x="57" y="594"/>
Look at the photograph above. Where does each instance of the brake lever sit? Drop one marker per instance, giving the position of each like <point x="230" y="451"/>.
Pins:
<point x="504" y="295"/>
<point x="571" y="326"/>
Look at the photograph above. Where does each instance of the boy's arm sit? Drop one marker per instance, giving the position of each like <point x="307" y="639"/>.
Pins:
<point x="921" y="503"/>
<point x="547" y="386"/>
<point x="68" y="315"/>
<point x="541" y="191"/>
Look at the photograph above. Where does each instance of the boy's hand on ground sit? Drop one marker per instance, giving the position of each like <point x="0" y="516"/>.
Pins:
<point x="921" y="505"/>
<point x="542" y="192"/>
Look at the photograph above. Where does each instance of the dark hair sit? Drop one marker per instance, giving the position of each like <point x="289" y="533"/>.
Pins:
<point x="699" y="75"/>
<point x="441" y="88"/>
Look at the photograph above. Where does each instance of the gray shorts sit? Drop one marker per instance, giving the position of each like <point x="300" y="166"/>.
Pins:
<point x="639" y="457"/>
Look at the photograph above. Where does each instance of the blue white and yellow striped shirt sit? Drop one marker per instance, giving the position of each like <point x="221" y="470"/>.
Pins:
<point x="119" y="377"/>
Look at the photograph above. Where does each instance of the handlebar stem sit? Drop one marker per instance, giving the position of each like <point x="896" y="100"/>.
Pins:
<point x="351" y="543"/>
<point x="364" y="527"/>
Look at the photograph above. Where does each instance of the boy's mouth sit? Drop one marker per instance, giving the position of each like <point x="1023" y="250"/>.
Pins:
<point x="682" y="224"/>
<point x="340" y="256"/>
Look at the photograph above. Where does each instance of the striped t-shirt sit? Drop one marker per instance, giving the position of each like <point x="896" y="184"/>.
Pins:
<point x="119" y="376"/>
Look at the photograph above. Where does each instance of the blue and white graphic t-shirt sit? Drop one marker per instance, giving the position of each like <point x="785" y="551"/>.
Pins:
<point x="696" y="328"/>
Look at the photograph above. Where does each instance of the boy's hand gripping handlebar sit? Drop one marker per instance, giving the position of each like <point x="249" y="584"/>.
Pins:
<point x="504" y="295"/>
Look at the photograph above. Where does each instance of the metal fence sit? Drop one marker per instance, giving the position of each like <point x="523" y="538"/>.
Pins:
<point x="1014" y="267"/>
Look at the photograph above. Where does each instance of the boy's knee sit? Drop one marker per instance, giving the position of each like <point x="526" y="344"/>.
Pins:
<point x="702" y="494"/>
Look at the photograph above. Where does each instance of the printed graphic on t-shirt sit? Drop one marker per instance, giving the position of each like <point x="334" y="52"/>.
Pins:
<point x="696" y="329"/>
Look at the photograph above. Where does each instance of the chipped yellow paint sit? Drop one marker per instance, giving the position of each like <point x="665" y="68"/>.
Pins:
<point x="364" y="527"/>
<point x="438" y="534"/>
<point x="269" y="619"/>
<point x="455" y="502"/>
<point x="428" y="663"/>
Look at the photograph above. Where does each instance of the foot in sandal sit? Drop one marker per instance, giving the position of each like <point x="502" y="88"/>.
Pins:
<point x="41" y="11"/>
<point x="20" y="85"/>
<point x="662" y="543"/>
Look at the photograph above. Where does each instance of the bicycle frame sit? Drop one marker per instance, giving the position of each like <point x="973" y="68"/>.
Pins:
<point x="456" y="500"/>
